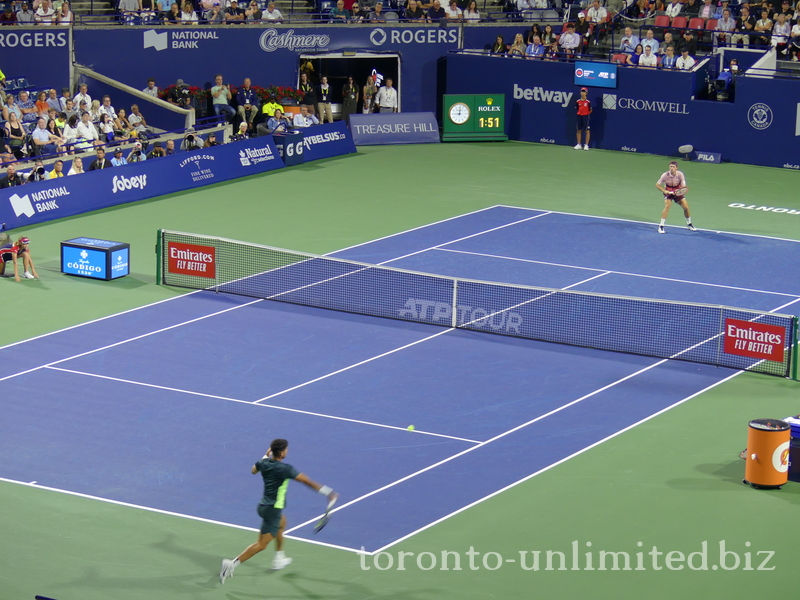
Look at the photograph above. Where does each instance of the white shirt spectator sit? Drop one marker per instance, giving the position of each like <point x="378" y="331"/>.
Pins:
<point x="45" y="15"/>
<point x="596" y="15"/>
<point x="82" y="98"/>
<point x="87" y="131"/>
<point x="523" y="5"/>
<point x="684" y="63"/>
<point x="386" y="97"/>
<point x="674" y="9"/>
<point x="648" y="60"/>
<point x="652" y="42"/>
<point x="305" y="121"/>
<point x="109" y="110"/>
<point x="272" y="15"/>
<point x="540" y="4"/>
<point x="472" y="17"/>
<point x="569" y="40"/>
<point x="453" y="13"/>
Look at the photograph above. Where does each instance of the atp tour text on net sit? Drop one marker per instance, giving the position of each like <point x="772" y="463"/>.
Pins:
<point x="580" y="556"/>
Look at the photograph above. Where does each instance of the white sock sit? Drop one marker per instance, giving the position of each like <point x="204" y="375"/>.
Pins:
<point x="662" y="222"/>
<point x="236" y="562"/>
<point x="280" y="554"/>
<point x="688" y="220"/>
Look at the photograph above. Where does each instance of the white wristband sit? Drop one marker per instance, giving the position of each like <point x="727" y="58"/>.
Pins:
<point x="325" y="490"/>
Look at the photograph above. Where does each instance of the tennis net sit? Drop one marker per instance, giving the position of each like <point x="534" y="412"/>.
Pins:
<point x="739" y="338"/>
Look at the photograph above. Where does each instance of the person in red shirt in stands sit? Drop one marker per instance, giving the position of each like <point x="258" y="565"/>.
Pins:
<point x="584" y="106"/>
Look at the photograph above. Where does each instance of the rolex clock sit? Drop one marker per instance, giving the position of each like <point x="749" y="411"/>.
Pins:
<point x="473" y="117"/>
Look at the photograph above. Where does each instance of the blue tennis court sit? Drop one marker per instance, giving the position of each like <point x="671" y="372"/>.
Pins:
<point x="167" y="407"/>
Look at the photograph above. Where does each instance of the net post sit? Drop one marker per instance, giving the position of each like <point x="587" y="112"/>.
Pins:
<point x="159" y="250"/>
<point x="795" y="346"/>
<point x="454" y="320"/>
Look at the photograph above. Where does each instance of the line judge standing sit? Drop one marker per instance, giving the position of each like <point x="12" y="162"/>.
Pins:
<point x="386" y="98"/>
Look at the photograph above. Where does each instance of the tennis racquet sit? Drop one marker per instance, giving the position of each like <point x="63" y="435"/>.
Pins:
<point x="677" y="193"/>
<point x="326" y="517"/>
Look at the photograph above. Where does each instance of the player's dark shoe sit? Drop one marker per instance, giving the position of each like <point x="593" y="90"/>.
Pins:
<point x="691" y="227"/>
<point x="661" y="229"/>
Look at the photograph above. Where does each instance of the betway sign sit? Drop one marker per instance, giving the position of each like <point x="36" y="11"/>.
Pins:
<point x="539" y="94"/>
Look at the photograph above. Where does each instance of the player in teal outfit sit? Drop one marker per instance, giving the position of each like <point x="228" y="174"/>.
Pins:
<point x="276" y="475"/>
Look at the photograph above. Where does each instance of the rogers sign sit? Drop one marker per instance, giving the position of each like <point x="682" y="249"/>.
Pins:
<point x="191" y="259"/>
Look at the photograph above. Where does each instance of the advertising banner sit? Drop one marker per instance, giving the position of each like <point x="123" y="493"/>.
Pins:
<point x="196" y="55"/>
<point x="754" y="340"/>
<point x="327" y="141"/>
<point x="67" y="196"/>
<point x="394" y="128"/>
<point x="42" y="57"/>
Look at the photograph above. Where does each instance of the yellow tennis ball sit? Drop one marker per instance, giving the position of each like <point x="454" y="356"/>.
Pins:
<point x="410" y="428"/>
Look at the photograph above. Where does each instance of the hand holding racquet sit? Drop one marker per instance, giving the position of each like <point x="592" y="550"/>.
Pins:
<point x="332" y="498"/>
<point x="677" y="193"/>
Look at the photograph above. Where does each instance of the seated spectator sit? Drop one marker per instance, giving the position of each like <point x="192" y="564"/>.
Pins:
<point x="548" y="35"/>
<point x="633" y="59"/>
<point x="151" y="89"/>
<point x="793" y="47"/>
<point x="83" y="96"/>
<point x="453" y="13"/>
<point x="136" y="154"/>
<point x="247" y="101"/>
<point x="648" y="59"/>
<point x="123" y="129"/>
<point x="106" y="127"/>
<point x="534" y="31"/>
<point x="77" y="167"/>
<point x="377" y="16"/>
<point x="15" y="135"/>
<point x="106" y="108"/>
<point x="54" y="129"/>
<point x="118" y="160"/>
<point x="685" y="62"/>
<point x="687" y="41"/>
<point x="270" y="106"/>
<point x="45" y="142"/>
<point x="277" y="122"/>
<point x="41" y="104"/>
<point x="242" y="133"/>
<point x="211" y="140"/>
<point x="147" y="10"/>
<point x="629" y="41"/>
<point x="780" y="35"/>
<point x="37" y="173"/>
<point x="499" y="46"/>
<point x="188" y="15"/>
<point x="569" y="41"/>
<point x="169" y="148"/>
<point x="12" y="179"/>
<point x="518" y="47"/>
<point x="58" y="170"/>
<point x="137" y="122"/>
<point x="45" y="15"/>
<point x="252" y="12"/>
<point x="173" y="16"/>
<point x="94" y="111"/>
<point x="25" y="15"/>
<point x="27" y="107"/>
<point x="690" y="9"/>
<point x="651" y="42"/>
<point x="180" y="95"/>
<point x="64" y="15"/>
<point x="339" y="14"/>
<point x="471" y="13"/>
<point x="9" y="17"/>
<point x="435" y="13"/>
<point x="536" y="49"/>
<point x="87" y="135"/>
<point x="61" y="120"/>
<point x="192" y="141"/>
<point x="668" y="41"/>
<point x="597" y="15"/>
<point x="764" y="26"/>
<point x="234" y="14"/>
<point x="414" y="13"/>
<point x="215" y="16"/>
<point x="70" y="131"/>
<point x="552" y="51"/>
<point x="722" y="6"/>
<point x="100" y="162"/>
<point x="357" y="15"/>
<point x="724" y="27"/>
<point x="744" y="25"/>
<point x="272" y="14"/>
<point x="11" y="107"/>
<point x="303" y="119"/>
<point x="156" y="152"/>
<point x="220" y="97"/>
<point x="583" y="28"/>
<point x="707" y="10"/>
<point x="53" y="100"/>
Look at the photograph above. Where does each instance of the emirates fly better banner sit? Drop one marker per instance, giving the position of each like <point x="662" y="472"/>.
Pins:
<point x="754" y="340"/>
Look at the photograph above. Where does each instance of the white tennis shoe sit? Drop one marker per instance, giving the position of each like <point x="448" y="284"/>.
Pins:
<point x="280" y="561"/>
<point x="228" y="566"/>
<point x="27" y="275"/>
<point x="578" y="146"/>
<point x="661" y="229"/>
<point x="586" y="146"/>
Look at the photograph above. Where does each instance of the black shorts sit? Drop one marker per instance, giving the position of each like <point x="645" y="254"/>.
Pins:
<point x="270" y="519"/>
<point x="583" y="122"/>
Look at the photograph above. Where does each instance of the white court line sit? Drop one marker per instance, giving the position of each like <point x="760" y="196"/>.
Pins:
<point x="489" y="441"/>
<point x="550" y="466"/>
<point x="552" y="264"/>
<point x="466" y="237"/>
<point x="256" y="403"/>
<point x="138" y="337"/>
<point x="559" y="212"/>
<point x="164" y="512"/>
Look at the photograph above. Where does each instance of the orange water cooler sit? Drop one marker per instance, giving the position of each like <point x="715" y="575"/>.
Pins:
<point x="767" y="465"/>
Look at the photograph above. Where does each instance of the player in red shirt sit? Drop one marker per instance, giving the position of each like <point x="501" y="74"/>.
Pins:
<point x="584" y="107"/>
<point x="10" y="253"/>
<point x="673" y="185"/>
